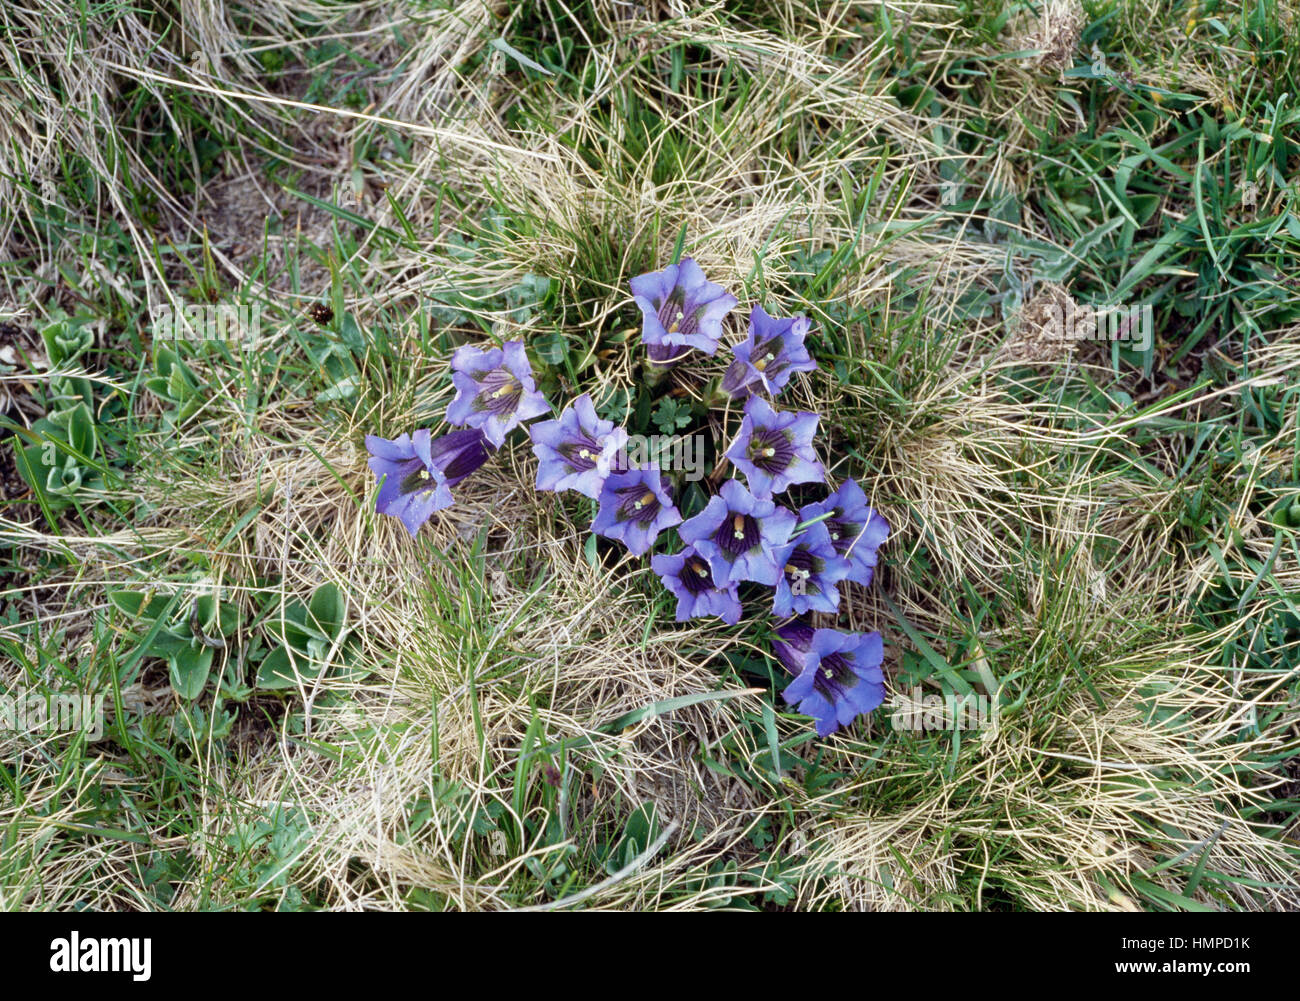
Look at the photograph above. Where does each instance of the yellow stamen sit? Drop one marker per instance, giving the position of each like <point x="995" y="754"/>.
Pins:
<point x="738" y="526"/>
<point x="763" y="362"/>
<point x="424" y="474"/>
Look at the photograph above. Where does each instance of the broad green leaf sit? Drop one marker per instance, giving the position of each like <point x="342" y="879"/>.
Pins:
<point x="189" y="670"/>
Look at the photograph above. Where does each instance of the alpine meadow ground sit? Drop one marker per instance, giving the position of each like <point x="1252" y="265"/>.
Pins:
<point x="1094" y="535"/>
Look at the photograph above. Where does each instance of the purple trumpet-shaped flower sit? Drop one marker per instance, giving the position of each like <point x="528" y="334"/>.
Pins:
<point x="459" y="453"/>
<point x="738" y="534"/>
<point x="810" y="569"/>
<point x="772" y="352"/>
<point x="664" y="356"/>
<point x="688" y="576"/>
<point x="577" y="451"/>
<point x="635" y="506"/>
<point x="791" y="643"/>
<point x="856" y="530"/>
<point x="774" y="449"/>
<point x="417" y="474"/>
<point x="837" y="675"/>
<point x="680" y="309"/>
<point x="494" y="390"/>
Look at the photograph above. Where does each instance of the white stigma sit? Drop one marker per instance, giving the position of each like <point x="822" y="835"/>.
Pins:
<point x="424" y="474"/>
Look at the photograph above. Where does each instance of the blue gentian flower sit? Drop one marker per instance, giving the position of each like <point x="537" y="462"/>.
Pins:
<point x="417" y="474"/>
<point x="791" y="644"/>
<point x="772" y="352"/>
<point x="738" y="534"/>
<point x="856" y="530"/>
<point x="810" y="569"/>
<point x="680" y="309"/>
<point x="838" y="675"/>
<point x="459" y="453"/>
<point x="687" y="575"/>
<point x="577" y="451"/>
<point x="774" y="449"/>
<point x="664" y="356"/>
<point x="635" y="506"/>
<point x="494" y="390"/>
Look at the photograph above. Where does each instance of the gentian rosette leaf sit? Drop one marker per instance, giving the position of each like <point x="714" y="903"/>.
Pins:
<point x="687" y="575"/>
<point x="856" y="529"/>
<point x="495" y="390"/>
<point x="838" y="676"/>
<point x="810" y="569"/>
<point x="635" y="506"/>
<point x="771" y="353"/>
<point x="680" y="309"/>
<point x="412" y="486"/>
<point x="738" y="534"/>
<point x="774" y="449"/>
<point x="577" y="451"/>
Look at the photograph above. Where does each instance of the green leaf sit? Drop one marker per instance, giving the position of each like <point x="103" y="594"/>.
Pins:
<point x="641" y="829"/>
<point x="286" y="668"/>
<point x="295" y="630"/>
<point x="133" y="604"/>
<point x="64" y="480"/>
<point x="166" y="643"/>
<point x="81" y="431"/>
<point x="328" y="610"/>
<point x="679" y="245"/>
<point x="344" y="389"/>
<point x="276" y="670"/>
<point x="164" y="359"/>
<point x="189" y="670"/>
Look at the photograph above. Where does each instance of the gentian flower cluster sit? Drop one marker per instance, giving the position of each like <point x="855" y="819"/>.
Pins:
<point x="745" y="536"/>
<point x="746" y="539"/>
